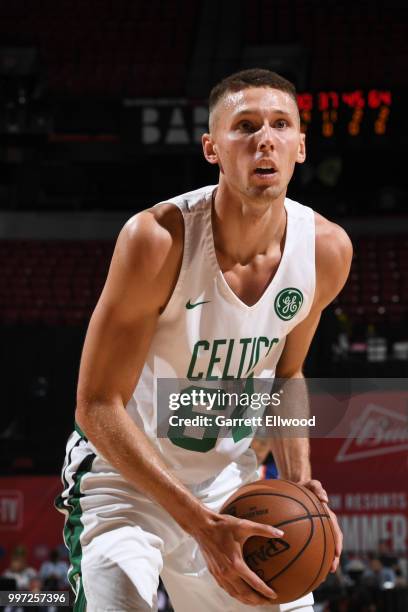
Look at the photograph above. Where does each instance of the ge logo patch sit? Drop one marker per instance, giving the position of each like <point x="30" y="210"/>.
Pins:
<point x="288" y="302"/>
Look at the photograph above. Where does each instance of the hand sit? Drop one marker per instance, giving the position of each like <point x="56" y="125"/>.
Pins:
<point x="316" y="487"/>
<point x="338" y="539"/>
<point x="221" y="541"/>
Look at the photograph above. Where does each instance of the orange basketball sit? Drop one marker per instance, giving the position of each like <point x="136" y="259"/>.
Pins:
<point x="300" y="560"/>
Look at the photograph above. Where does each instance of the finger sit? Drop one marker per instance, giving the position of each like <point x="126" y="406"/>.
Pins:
<point x="241" y="591"/>
<point x="338" y="535"/>
<point x="338" y="544"/>
<point x="316" y="487"/>
<point x="251" y="579"/>
<point x="250" y="597"/>
<point x="249" y="528"/>
<point x="338" y="539"/>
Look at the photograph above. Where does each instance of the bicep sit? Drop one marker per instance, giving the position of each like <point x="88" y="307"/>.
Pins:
<point x="333" y="259"/>
<point x="125" y="318"/>
<point x="297" y="346"/>
<point x="113" y="355"/>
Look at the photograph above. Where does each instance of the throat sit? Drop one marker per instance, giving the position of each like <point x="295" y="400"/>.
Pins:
<point x="250" y="282"/>
<point x="244" y="233"/>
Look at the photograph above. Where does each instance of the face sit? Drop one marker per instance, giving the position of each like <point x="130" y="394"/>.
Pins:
<point x="18" y="563"/>
<point x="255" y="139"/>
<point x="376" y="565"/>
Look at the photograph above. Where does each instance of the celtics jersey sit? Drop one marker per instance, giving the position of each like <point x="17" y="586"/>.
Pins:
<point x="207" y="332"/>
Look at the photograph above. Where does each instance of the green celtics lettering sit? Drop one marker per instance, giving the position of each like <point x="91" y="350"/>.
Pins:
<point x="211" y="360"/>
<point x="219" y="354"/>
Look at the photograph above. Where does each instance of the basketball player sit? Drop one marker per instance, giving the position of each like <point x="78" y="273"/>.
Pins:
<point x="198" y="287"/>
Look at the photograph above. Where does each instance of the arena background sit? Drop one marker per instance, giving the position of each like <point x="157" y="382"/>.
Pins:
<point x="102" y="106"/>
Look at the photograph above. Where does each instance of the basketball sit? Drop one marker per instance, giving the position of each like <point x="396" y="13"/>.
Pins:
<point x="300" y="560"/>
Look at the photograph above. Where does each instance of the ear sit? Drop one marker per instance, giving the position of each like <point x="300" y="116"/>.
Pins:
<point x="209" y="149"/>
<point x="301" y="156"/>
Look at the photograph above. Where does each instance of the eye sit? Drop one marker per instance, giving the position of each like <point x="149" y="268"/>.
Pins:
<point x="247" y="126"/>
<point x="281" y="124"/>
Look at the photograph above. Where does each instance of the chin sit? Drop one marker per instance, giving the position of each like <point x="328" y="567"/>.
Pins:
<point x="267" y="192"/>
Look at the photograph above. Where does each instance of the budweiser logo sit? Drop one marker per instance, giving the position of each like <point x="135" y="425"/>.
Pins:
<point x="378" y="431"/>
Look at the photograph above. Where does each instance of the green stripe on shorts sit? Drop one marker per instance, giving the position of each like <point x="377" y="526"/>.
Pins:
<point x="79" y="431"/>
<point x="73" y="529"/>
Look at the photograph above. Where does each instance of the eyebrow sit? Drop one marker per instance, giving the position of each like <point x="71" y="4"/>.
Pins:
<point x="254" y="111"/>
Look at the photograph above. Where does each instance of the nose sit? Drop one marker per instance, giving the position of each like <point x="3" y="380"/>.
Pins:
<point x="266" y="140"/>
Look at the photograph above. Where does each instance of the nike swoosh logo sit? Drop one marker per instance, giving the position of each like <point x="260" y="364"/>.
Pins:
<point x="189" y="305"/>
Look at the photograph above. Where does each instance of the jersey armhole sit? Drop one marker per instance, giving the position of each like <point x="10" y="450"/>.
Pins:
<point x="177" y="290"/>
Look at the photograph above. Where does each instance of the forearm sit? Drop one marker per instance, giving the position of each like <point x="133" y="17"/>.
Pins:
<point x="290" y="446"/>
<point x="126" y="447"/>
<point x="261" y="447"/>
<point x="292" y="458"/>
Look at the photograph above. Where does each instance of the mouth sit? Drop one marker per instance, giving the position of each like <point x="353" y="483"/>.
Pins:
<point x="265" y="171"/>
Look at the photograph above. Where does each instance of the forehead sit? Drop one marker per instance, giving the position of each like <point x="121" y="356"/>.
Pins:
<point x="263" y="100"/>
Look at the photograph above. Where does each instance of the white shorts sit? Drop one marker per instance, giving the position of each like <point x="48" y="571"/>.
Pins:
<point x="120" y="542"/>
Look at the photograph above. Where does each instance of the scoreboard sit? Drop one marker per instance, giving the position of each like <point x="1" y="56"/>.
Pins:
<point x="350" y="112"/>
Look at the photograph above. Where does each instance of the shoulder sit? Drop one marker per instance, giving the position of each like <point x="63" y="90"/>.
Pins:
<point x="150" y="237"/>
<point x="332" y="241"/>
<point x="334" y="253"/>
<point x="146" y="261"/>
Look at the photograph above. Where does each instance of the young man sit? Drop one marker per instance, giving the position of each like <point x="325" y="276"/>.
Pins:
<point x="197" y="285"/>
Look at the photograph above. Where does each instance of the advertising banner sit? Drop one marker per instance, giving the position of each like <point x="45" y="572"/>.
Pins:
<point x="28" y="517"/>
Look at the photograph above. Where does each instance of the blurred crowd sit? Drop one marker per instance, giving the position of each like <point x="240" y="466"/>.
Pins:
<point x="52" y="575"/>
<point x="366" y="583"/>
<point x="19" y="576"/>
<point x="374" y="582"/>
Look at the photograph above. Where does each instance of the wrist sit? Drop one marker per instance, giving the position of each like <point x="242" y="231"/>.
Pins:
<point x="198" y="520"/>
<point x="298" y="477"/>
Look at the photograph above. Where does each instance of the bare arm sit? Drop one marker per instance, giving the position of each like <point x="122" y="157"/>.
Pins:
<point x="333" y="260"/>
<point x="292" y="454"/>
<point x="141" y="278"/>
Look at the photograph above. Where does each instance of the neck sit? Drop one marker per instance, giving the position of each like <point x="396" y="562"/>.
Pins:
<point x="244" y="228"/>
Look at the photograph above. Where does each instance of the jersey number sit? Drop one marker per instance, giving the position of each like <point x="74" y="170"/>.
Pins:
<point x="206" y="437"/>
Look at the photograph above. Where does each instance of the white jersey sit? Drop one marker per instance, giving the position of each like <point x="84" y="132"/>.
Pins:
<point x="119" y="539"/>
<point x="206" y="331"/>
